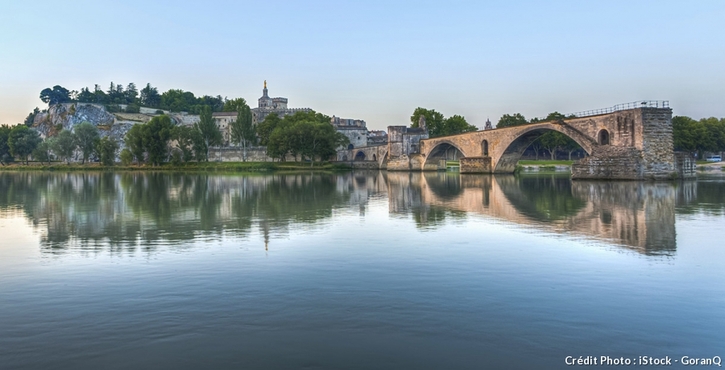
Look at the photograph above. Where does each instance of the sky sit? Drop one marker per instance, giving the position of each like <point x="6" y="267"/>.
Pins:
<point x="375" y="60"/>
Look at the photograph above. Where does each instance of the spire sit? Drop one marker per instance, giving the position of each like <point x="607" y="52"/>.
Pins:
<point x="265" y="84"/>
<point x="264" y="92"/>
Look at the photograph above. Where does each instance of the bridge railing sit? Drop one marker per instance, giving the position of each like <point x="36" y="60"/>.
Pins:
<point x="618" y="107"/>
<point x="624" y="106"/>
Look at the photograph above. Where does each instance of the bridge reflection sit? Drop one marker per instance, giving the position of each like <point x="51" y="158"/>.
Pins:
<point x="636" y="215"/>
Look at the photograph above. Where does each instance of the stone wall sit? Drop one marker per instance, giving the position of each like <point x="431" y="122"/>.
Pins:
<point x="610" y="162"/>
<point x="475" y="165"/>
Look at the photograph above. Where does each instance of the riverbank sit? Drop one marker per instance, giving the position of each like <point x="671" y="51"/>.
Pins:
<point x="185" y="167"/>
<point x="544" y="166"/>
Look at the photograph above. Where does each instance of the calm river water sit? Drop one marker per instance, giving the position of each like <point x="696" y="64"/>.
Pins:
<point x="356" y="271"/>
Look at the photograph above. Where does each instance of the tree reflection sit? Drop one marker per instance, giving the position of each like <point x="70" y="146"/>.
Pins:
<point x="130" y="210"/>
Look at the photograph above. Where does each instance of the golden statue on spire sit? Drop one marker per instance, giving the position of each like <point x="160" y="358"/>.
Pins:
<point x="265" y="84"/>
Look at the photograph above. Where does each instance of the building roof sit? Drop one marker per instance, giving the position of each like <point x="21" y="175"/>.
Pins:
<point x="217" y="114"/>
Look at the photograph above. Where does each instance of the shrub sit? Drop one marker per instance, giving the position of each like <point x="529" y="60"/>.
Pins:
<point x="133" y="108"/>
<point x="159" y="111"/>
<point x="113" y="108"/>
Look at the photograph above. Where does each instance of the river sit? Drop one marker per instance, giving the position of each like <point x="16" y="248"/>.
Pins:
<point x="364" y="270"/>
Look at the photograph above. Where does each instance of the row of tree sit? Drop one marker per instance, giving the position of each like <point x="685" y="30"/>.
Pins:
<point x="705" y="135"/>
<point x="174" y="100"/>
<point x="22" y="142"/>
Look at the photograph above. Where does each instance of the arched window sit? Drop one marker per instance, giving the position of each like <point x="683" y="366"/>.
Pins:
<point x="603" y="137"/>
<point x="484" y="148"/>
<point x="375" y="157"/>
<point x="350" y="147"/>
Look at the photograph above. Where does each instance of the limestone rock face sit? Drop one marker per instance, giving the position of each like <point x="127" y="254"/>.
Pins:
<point x="67" y="115"/>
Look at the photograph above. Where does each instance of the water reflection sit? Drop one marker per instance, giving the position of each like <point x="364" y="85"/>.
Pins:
<point x="141" y="210"/>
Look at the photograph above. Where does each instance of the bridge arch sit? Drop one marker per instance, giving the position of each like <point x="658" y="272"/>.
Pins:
<point x="527" y="135"/>
<point x="444" y="150"/>
<point x="360" y="156"/>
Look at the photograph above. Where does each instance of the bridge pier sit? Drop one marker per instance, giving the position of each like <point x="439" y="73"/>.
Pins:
<point x="476" y="165"/>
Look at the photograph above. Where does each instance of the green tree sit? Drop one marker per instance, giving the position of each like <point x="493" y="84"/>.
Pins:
<point x="280" y="142"/>
<point x="456" y="125"/>
<point x="510" y="120"/>
<point x="208" y="129"/>
<point x="57" y="94"/>
<point x="131" y="93"/>
<point x="31" y="117"/>
<point x="243" y="132"/>
<point x="134" y="140"/>
<point x="434" y="121"/>
<point x="42" y="151"/>
<point x="234" y="105"/>
<point x="126" y="157"/>
<point x="186" y="138"/>
<point x="150" y="97"/>
<point x="86" y="138"/>
<point x="5" y="156"/>
<point x="22" y="141"/>
<point x="683" y="133"/>
<point x="106" y="149"/>
<point x="264" y="129"/>
<point x="156" y="135"/>
<point x="64" y="144"/>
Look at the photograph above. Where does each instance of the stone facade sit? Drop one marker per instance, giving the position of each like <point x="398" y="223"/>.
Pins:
<point x="475" y="165"/>
<point x="224" y="121"/>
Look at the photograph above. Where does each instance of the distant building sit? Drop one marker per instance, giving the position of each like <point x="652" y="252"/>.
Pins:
<point x="267" y="105"/>
<point x="355" y="129"/>
<point x="223" y="120"/>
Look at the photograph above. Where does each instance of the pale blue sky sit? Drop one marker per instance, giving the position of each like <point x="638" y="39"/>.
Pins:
<point x="375" y="60"/>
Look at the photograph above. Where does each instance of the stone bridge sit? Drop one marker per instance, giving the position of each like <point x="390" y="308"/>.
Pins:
<point x="631" y="144"/>
<point x="627" y="144"/>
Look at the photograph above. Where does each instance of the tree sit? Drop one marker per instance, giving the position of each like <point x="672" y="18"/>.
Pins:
<point x="41" y="152"/>
<point x="243" y="131"/>
<point x="264" y="129"/>
<point x="457" y="125"/>
<point x="433" y="121"/>
<point x="57" y="94"/>
<point x="5" y="155"/>
<point x="64" y="145"/>
<point x="22" y="141"/>
<point x="156" y="135"/>
<point x="553" y="141"/>
<point x="134" y="142"/>
<point x="510" y="120"/>
<point x="86" y="137"/>
<point x="106" y="149"/>
<point x="234" y="105"/>
<point x="86" y="96"/>
<point x="280" y="142"/>
<point x="150" y="96"/>
<point x="210" y="133"/>
<point x="131" y="93"/>
<point x="126" y="157"/>
<point x="187" y="138"/>
<point x="31" y="117"/>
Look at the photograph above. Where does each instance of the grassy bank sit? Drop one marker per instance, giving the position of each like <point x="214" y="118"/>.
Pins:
<point x="186" y="167"/>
